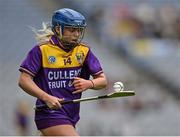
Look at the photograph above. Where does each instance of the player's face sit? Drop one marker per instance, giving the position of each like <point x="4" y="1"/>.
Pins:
<point x="72" y="35"/>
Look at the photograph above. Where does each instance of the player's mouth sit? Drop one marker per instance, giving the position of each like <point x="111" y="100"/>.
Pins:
<point x="74" y="41"/>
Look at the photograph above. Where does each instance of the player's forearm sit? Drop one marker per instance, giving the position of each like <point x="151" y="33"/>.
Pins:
<point x="28" y="85"/>
<point x="99" y="82"/>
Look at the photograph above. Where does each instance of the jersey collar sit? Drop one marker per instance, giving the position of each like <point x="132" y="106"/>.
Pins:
<point x="54" y="40"/>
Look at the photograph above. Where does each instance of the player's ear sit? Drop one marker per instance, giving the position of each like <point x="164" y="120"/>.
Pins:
<point x="57" y="29"/>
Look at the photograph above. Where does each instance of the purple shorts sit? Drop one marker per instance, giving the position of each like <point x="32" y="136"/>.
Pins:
<point x="45" y="123"/>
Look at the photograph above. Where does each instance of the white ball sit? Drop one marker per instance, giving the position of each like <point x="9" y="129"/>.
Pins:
<point x="118" y="86"/>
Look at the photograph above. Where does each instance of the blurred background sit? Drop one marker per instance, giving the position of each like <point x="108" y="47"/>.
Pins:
<point x="136" y="41"/>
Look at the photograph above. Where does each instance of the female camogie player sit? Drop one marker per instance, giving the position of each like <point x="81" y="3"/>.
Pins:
<point x="60" y="69"/>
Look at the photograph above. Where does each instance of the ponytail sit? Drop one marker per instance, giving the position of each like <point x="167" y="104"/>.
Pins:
<point x="44" y="34"/>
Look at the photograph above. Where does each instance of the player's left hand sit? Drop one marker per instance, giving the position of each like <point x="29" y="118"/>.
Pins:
<point x="81" y="85"/>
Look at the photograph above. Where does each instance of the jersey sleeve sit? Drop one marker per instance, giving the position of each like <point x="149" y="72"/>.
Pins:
<point x="92" y="64"/>
<point x="32" y="62"/>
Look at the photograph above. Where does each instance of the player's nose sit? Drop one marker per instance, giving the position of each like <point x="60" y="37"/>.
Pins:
<point x="77" y="33"/>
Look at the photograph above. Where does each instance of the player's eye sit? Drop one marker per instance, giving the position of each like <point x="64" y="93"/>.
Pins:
<point x="74" y="29"/>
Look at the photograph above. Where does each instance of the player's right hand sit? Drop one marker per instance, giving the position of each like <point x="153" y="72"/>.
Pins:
<point x="52" y="102"/>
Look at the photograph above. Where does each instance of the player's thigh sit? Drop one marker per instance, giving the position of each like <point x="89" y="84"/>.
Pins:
<point x="60" y="130"/>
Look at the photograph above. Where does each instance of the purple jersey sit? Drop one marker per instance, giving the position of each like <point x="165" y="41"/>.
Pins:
<point x="53" y="70"/>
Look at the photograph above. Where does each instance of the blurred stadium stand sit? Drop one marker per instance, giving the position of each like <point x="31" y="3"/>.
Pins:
<point x="141" y="50"/>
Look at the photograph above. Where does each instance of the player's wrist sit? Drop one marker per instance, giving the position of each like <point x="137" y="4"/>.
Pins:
<point x="92" y="84"/>
<point x="44" y="97"/>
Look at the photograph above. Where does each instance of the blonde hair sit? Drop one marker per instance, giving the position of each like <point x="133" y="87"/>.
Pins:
<point x="44" y="34"/>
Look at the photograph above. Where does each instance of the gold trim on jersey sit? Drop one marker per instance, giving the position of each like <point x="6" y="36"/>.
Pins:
<point x="55" y="57"/>
<point x="27" y="71"/>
